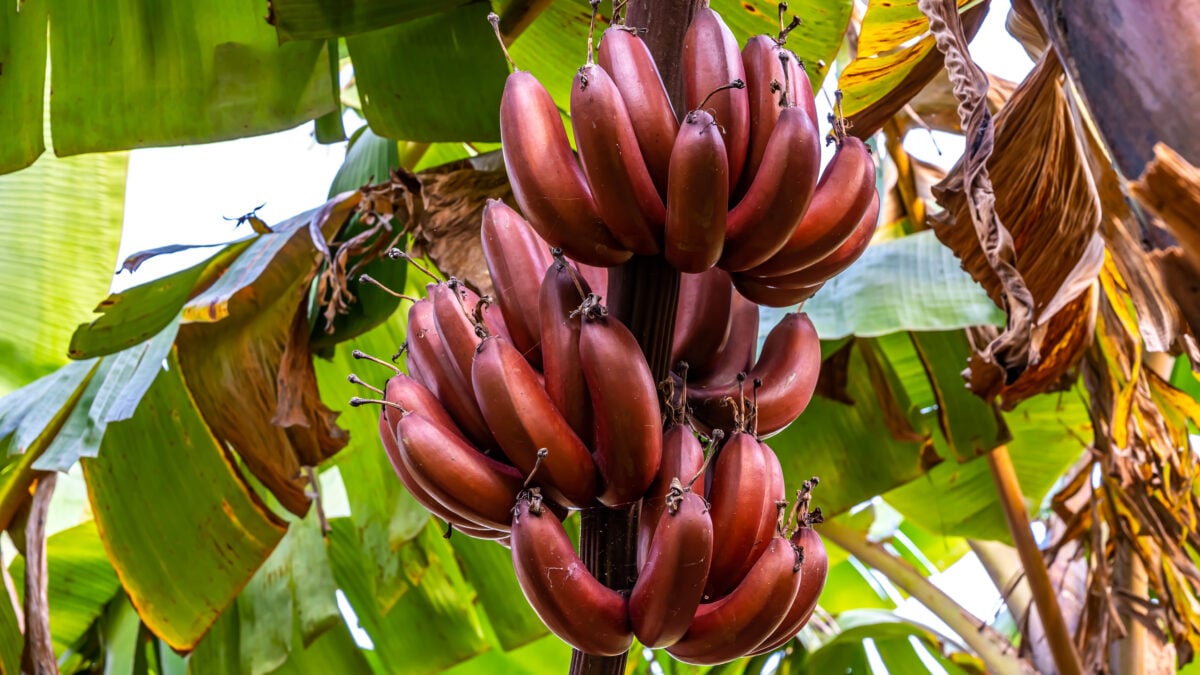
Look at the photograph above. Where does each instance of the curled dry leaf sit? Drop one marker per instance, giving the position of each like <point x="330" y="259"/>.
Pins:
<point x="1046" y="254"/>
<point x="896" y="59"/>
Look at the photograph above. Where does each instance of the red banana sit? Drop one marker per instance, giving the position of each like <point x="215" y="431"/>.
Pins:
<point x="671" y="583"/>
<point x="739" y="498"/>
<point x="682" y="458"/>
<point x="625" y="399"/>
<point x="763" y="292"/>
<point x="813" y="572"/>
<point x="627" y="59"/>
<point x="734" y="625"/>
<point x="517" y="260"/>
<point x="767" y="84"/>
<point x="736" y="355"/>
<point x="563" y="290"/>
<point x="776" y="200"/>
<point x="408" y="393"/>
<point x="788" y="369"/>
<point x="523" y="419"/>
<point x="454" y="473"/>
<point x="846" y="190"/>
<point x="703" y="319"/>
<point x="697" y="195"/>
<point x="546" y="178"/>
<point x="711" y="59"/>
<point x="572" y="603"/>
<point x="387" y="433"/>
<point x="623" y="191"/>
<point x="835" y="263"/>
<point x="435" y="368"/>
<point x="453" y="305"/>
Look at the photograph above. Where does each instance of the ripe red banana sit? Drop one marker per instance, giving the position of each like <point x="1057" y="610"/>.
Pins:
<point x="517" y="260"/>
<point x="453" y="305"/>
<point x="523" y="419"/>
<point x="844" y="194"/>
<point x="835" y="263"/>
<point x="711" y="59"/>
<point x="435" y="368"/>
<point x="408" y="393"/>
<point x="775" y="202"/>
<point x="621" y="186"/>
<point x="671" y="583"/>
<point x="565" y="384"/>
<point x="387" y="433"/>
<point x="763" y="292"/>
<point x="697" y="195"/>
<point x="546" y="178"/>
<point x="813" y="572"/>
<point x="703" y="319"/>
<point x="682" y="458"/>
<point x="627" y="59"/>
<point x="572" y="603"/>
<point x="788" y="369"/>
<point x="457" y="475"/>
<point x="734" y="625"/>
<point x="628" y="445"/>
<point x="766" y="87"/>
<point x="739" y="498"/>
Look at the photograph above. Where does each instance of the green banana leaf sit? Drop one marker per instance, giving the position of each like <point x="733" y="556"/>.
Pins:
<point x="22" y="90"/>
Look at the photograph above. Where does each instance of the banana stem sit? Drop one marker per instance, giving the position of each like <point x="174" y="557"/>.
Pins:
<point x="1045" y="598"/>
<point x="997" y="654"/>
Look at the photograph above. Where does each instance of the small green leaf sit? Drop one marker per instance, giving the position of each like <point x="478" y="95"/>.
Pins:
<point x="369" y="159"/>
<point x="26" y="413"/>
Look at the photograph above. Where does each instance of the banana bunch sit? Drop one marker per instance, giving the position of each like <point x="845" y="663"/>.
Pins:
<point x="734" y="184"/>
<point x="520" y="408"/>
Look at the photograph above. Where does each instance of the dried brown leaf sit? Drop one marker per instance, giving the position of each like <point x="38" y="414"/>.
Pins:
<point x="1170" y="187"/>
<point x="448" y="232"/>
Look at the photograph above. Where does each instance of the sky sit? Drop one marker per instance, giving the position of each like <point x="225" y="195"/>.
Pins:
<point x="185" y="195"/>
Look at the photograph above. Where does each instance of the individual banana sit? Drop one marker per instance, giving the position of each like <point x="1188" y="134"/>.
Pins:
<point x="621" y="186"/>
<point x="627" y="59"/>
<point x="671" y="583"/>
<point x="835" y="263"/>
<point x="770" y="87"/>
<point x="734" y="625"/>
<point x="843" y="195"/>
<point x="546" y="179"/>
<point x="697" y="195"/>
<point x="572" y="603"/>
<point x="563" y="290"/>
<point x="387" y="433"/>
<point x="739" y="501"/>
<point x="787" y="370"/>
<point x="524" y="420"/>
<point x="628" y="445"/>
<point x="682" y="456"/>
<point x="431" y="360"/>
<point x="702" y="319"/>
<point x="813" y="573"/>
<point x="457" y="475"/>
<point x="516" y="260"/>
<point x="777" y="199"/>
<point x="711" y="60"/>
<point x="453" y="308"/>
